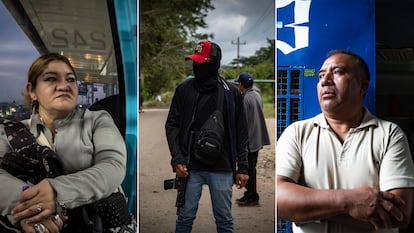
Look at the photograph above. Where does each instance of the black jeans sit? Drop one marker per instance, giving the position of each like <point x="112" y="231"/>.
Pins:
<point x="251" y="185"/>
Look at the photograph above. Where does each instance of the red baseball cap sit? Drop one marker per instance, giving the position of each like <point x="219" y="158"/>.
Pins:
<point x="205" y="51"/>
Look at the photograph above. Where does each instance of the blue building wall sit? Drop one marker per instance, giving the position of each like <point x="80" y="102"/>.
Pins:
<point x="308" y="30"/>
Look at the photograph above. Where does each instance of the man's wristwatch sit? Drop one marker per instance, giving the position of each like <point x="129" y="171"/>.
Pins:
<point x="60" y="208"/>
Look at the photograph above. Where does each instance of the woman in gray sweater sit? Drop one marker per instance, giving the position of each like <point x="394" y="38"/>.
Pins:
<point x="88" y="143"/>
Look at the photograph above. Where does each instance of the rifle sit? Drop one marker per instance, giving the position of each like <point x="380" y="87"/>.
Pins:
<point x="179" y="183"/>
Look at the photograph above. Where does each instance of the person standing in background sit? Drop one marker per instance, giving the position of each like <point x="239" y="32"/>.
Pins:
<point x="257" y="134"/>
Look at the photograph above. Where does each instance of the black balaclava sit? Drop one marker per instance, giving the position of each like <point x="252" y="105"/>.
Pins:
<point x="206" y="74"/>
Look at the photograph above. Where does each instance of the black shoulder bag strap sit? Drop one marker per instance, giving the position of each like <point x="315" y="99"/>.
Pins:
<point x="220" y="97"/>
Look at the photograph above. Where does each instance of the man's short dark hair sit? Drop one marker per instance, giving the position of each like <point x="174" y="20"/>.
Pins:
<point x="360" y="61"/>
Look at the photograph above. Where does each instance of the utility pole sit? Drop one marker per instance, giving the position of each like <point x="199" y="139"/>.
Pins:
<point x="238" y="52"/>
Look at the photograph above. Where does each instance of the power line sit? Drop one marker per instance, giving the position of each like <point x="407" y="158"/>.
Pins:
<point x="260" y="20"/>
<point x="238" y="52"/>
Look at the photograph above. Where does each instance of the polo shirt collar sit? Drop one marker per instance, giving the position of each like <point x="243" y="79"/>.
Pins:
<point x="367" y="120"/>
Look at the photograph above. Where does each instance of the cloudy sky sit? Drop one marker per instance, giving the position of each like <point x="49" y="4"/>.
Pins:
<point x="16" y="55"/>
<point x="252" y="21"/>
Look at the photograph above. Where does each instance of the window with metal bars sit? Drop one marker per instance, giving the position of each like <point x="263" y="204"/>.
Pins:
<point x="289" y="96"/>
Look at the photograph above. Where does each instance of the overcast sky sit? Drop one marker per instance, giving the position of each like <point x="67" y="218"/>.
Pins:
<point x="252" y="21"/>
<point x="16" y="55"/>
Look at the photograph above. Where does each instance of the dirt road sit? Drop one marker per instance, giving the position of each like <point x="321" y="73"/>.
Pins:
<point x="157" y="206"/>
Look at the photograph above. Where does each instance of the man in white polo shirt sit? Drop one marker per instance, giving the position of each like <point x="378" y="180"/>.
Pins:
<point x="344" y="170"/>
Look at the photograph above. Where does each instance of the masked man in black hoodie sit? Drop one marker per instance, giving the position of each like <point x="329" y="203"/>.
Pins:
<point x="194" y="102"/>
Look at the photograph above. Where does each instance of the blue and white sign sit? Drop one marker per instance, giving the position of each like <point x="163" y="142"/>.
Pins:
<point x="300" y="25"/>
<point x="306" y="30"/>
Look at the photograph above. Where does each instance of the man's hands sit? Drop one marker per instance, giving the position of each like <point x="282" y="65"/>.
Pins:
<point x="241" y="180"/>
<point x="363" y="207"/>
<point x="181" y="170"/>
<point x="381" y="209"/>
